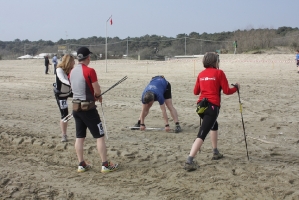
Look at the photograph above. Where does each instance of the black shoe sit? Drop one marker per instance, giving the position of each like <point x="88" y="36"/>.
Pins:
<point x="217" y="156"/>
<point x="136" y="127"/>
<point x="191" y="166"/>
<point x="177" y="129"/>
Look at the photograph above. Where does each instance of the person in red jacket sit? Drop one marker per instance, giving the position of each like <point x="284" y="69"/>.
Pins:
<point x="208" y="86"/>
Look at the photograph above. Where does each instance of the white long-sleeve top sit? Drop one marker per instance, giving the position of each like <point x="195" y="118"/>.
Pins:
<point x="62" y="83"/>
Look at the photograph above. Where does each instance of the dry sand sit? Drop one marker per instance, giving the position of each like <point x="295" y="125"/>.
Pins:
<point x="36" y="165"/>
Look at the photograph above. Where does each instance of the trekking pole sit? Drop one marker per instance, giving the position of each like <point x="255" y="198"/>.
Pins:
<point x="104" y="122"/>
<point x="242" y="117"/>
<point x="66" y="119"/>
<point x="137" y="128"/>
<point x="120" y="81"/>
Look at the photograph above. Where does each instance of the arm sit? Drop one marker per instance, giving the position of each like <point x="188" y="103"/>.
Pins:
<point x="61" y="75"/>
<point x="196" y="89"/>
<point x="224" y="84"/>
<point x="97" y="91"/>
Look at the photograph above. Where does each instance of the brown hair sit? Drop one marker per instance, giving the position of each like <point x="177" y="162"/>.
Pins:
<point x="67" y="63"/>
<point x="210" y="59"/>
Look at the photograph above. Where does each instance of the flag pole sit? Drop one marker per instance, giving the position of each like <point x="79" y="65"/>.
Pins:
<point x="106" y="43"/>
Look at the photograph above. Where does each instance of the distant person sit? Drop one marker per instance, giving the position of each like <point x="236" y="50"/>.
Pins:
<point x="235" y="46"/>
<point x="86" y="91"/>
<point x="47" y="63"/>
<point x="55" y="62"/>
<point x="159" y="89"/>
<point x="297" y="60"/>
<point x="62" y="90"/>
<point x="208" y="86"/>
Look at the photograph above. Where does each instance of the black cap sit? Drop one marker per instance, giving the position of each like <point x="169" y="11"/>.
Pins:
<point x="82" y="53"/>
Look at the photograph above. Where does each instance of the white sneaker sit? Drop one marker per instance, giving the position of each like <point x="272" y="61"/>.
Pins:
<point x="84" y="169"/>
<point x="110" y="168"/>
<point x="64" y="138"/>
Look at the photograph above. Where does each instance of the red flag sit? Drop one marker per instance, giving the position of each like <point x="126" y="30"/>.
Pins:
<point x="111" y="21"/>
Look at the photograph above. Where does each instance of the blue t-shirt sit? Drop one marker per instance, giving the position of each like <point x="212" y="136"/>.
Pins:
<point x="297" y="56"/>
<point x="54" y="60"/>
<point x="157" y="86"/>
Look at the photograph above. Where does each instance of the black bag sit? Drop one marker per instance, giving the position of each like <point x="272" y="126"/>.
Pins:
<point x="202" y="106"/>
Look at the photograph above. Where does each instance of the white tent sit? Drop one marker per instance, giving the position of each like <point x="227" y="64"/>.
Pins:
<point x="41" y="56"/>
<point x="25" y="57"/>
<point x="74" y="53"/>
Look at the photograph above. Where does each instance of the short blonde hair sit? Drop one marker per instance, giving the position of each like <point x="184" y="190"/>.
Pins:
<point x="67" y="63"/>
<point x="210" y="59"/>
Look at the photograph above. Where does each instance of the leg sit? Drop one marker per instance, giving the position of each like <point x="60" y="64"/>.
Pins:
<point x="63" y="107"/>
<point x="214" y="138"/>
<point x="209" y="122"/>
<point x="63" y="126"/>
<point x="191" y="165"/>
<point x="196" y="147"/>
<point x="101" y="146"/>
<point x="174" y="115"/>
<point x="172" y="110"/>
<point x="95" y="127"/>
<point x="79" y="148"/>
<point x="80" y="135"/>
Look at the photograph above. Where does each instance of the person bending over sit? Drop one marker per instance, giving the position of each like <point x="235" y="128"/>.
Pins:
<point x="159" y="89"/>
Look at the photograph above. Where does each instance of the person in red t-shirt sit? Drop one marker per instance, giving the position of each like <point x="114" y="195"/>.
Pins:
<point x="86" y="90"/>
<point x="208" y="85"/>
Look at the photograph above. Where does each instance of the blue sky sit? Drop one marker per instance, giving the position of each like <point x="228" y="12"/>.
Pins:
<point x="74" y="19"/>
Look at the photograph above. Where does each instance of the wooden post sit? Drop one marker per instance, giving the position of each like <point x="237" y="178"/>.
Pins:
<point x="194" y="69"/>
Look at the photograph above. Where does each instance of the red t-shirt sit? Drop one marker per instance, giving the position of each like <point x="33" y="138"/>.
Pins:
<point x="209" y="84"/>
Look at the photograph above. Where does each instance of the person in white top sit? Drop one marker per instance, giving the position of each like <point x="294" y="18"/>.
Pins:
<point x="62" y="90"/>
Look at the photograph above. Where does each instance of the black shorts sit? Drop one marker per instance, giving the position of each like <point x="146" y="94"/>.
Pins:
<point x="167" y="93"/>
<point x="62" y="105"/>
<point x="88" y="119"/>
<point x="209" y="121"/>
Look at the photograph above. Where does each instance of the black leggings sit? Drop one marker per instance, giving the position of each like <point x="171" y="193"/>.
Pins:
<point x="62" y="105"/>
<point x="209" y="121"/>
<point x="46" y="69"/>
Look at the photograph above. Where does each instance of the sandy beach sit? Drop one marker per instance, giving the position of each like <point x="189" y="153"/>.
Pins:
<point x="36" y="165"/>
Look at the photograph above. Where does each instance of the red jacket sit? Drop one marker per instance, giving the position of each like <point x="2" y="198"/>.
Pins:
<point x="209" y="83"/>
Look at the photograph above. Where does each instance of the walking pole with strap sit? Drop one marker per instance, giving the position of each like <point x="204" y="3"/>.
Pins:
<point x="120" y="81"/>
<point x="104" y="122"/>
<point x="242" y="117"/>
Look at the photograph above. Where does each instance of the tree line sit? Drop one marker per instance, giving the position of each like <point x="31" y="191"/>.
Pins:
<point x="157" y="47"/>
